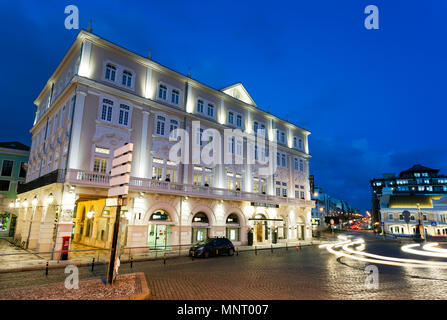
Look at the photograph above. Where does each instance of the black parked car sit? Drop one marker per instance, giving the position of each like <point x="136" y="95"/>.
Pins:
<point x="212" y="247"/>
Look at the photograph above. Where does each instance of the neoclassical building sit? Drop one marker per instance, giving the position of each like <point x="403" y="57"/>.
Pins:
<point x="102" y="96"/>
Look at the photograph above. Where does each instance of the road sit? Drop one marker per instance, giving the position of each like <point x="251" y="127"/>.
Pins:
<point x="310" y="273"/>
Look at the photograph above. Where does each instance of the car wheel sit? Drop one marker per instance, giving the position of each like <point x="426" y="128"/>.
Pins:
<point x="206" y="254"/>
<point x="231" y="252"/>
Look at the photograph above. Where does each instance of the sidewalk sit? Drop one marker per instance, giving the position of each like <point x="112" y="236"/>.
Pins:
<point x="14" y="259"/>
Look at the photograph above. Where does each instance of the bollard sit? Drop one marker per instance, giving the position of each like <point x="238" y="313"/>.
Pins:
<point x="93" y="264"/>
<point x="192" y="255"/>
<point x="131" y="262"/>
<point x="217" y="252"/>
<point x="287" y="248"/>
<point x="256" y="250"/>
<point x="271" y="247"/>
<point x="46" y="270"/>
<point x="164" y="258"/>
<point x="237" y="251"/>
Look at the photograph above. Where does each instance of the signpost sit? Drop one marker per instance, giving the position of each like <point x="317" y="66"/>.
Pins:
<point x="119" y="187"/>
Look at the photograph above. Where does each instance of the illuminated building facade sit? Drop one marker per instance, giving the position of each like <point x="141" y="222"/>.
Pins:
<point x="102" y="96"/>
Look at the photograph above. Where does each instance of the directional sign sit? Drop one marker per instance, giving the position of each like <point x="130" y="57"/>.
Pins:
<point x="433" y="223"/>
<point x="120" y="173"/>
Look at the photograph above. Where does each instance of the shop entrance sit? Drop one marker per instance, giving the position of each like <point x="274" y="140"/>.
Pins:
<point x="159" y="233"/>
<point x="200" y="227"/>
<point x="260" y="228"/>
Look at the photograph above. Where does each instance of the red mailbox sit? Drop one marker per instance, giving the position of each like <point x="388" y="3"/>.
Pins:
<point x="65" y="245"/>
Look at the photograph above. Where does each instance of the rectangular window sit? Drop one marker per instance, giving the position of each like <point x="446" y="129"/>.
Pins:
<point x="162" y="92"/>
<point x="255" y="127"/>
<point x="175" y="97"/>
<point x="200" y="106"/>
<point x="278" y="192"/>
<point x="231" y="117"/>
<point x="100" y="165"/>
<point x="106" y="112"/>
<point x="4" y="185"/>
<point x="210" y="110"/>
<point x="239" y="120"/>
<point x="302" y="195"/>
<point x="390" y="216"/>
<point x="301" y="165"/>
<point x="295" y="161"/>
<point x="172" y="127"/>
<point x="283" y="162"/>
<point x="23" y="169"/>
<point x="284" y="192"/>
<point x="127" y="79"/>
<point x="124" y="115"/>
<point x="7" y="168"/>
<point x="160" y="128"/>
<point x="157" y="173"/>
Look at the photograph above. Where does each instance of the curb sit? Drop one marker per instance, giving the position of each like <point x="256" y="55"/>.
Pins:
<point x="145" y="292"/>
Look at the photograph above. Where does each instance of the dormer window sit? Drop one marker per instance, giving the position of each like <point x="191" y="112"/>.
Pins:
<point x="295" y="142"/>
<point x="175" y="97"/>
<point x="255" y="127"/>
<point x="162" y="91"/>
<point x="127" y="79"/>
<point x="283" y="137"/>
<point x="110" y="72"/>
<point x="300" y="144"/>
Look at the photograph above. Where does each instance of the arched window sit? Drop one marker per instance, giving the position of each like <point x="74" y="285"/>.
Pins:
<point x="160" y="215"/>
<point x="200" y="217"/>
<point x="233" y="219"/>
<point x="162" y="90"/>
<point x="110" y="72"/>
<point x="127" y="79"/>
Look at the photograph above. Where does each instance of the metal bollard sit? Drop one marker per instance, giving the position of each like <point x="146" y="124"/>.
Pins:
<point x="164" y="258"/>
<point x="287" y="248"/>
<point x="237" y="251"/>
<point x="93" y="264"/>
<point x="46" y="270"/>
<point x="217" y="252"/>
<point x="271" y="247"/>
<point x="256" y="250"/>
<point x="192" y="255"/>
<point x="131" y="262"/>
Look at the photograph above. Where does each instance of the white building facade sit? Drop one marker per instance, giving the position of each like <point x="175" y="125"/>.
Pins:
<point x="102" y="96"/>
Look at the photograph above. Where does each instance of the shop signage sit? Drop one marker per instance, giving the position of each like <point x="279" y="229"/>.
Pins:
<point x="266" y="205"/>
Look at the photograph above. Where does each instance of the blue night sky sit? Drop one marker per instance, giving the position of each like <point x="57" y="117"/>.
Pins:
<point x="374" y="100"/>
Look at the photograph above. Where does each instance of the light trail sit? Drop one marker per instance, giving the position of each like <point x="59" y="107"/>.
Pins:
<point x="359" y="255"/>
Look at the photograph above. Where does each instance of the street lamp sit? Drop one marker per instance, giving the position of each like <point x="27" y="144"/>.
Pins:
<point x="25" y="203"/>
<point x="11" y="205"/>
<point x="34" y="202"/>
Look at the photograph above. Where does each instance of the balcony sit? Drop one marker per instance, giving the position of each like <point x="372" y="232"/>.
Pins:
<point x="94" y="179"/>
<point x="56" y="176"/>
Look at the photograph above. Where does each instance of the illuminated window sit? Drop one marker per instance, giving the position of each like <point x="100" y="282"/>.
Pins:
<point x="100" y="165"/>
<point x="102" y="150"/>
<point x="172" y="127"/>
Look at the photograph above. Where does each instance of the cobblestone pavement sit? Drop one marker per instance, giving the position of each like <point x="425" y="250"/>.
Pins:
<point x="309" y="273"/>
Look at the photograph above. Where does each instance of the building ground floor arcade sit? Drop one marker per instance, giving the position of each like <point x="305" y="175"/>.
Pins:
<point x="48" y="215"/>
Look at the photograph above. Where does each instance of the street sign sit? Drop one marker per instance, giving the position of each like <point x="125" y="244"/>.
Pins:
<point x="119" y="186"/>
<point x="120" y="173"/>
<point x="382" y="223"/>
<point x="433" y="223"/>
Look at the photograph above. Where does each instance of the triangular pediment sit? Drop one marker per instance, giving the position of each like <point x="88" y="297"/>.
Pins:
<point x="239" y="92"/>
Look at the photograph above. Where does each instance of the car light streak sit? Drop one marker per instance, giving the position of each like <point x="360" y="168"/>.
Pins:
<point x="358" y="254"/>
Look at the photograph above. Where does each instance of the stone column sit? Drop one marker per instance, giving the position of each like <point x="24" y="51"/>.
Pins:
<point x="35" y="227"/>
<point x="73" y="161"/>
<point x="46" y="229"/>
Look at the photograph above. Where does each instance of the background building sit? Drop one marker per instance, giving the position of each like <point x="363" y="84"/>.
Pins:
<point x="416" y="181"/>
<point x="102" y="96"/>
<point x="14" y="162"/>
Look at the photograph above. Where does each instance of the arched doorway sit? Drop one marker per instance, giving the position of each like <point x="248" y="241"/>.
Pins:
<point x="233" y="228"/>
<point x="7" y="224"/>
<point x="159" y="235"/>
<point x="281" y="228"/>
<point x="260" y="228"/>
<point x="200" y="227"/>
<point x="300" y="228"/>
